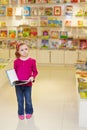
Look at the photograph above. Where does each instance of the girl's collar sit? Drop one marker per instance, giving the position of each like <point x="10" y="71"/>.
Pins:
<point x="24" y="58"/>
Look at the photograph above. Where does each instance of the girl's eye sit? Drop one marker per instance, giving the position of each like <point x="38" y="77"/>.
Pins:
<point x="21" y="49"/>
<point x="26" y="49"/>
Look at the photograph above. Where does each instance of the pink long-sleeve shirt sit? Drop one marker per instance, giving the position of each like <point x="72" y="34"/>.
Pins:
<point x="25" y="69"/>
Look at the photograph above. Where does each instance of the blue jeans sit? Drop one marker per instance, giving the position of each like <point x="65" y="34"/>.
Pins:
<point x="23" y="93"/>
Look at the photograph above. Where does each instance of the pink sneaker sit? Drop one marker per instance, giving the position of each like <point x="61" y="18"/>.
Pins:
<point x="28" y="116"/>
<point x="21" y="117"/>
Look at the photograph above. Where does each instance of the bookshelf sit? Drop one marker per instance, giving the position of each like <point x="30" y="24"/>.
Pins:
<point x="53" y="26"/>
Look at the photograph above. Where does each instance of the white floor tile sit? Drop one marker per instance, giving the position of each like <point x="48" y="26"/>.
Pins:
<point x="54" y="99"/>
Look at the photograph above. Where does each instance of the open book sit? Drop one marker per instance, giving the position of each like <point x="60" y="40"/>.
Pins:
<point x="12" y="76"/>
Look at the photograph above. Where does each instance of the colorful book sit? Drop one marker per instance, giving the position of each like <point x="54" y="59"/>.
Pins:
<point x="3" y="33"/>
<point x="69" y="44"/>
<point x="62" y="43"/>
<point x="22" y="1"/>
<point x="41" y="10"/>
<point x="0" y="2"/>
<point x="9" y="11"/>
<point x="67" y="1"/>
<point x="26" y="11"/>
<point x="48" y="11"/>
<point x="31" y="1"/>
<point x="38" y="1"/>
<point x="53" y="22"/>
<point x="14" y="2"/>
<point x="2" y="11"/>
<point x="34" y="11"/>
<point x="54" y="44"/>
<point x="74" y="1"/>
<point x="80" y="23"/>
<point x="44" y="44"/>
<point x="3" y="24"/>
<point x="63" y="34"/>
<point x="5" y="2"/>
<point x="83" y="44"/>
<point x="33" y="32"/>
<point x="45" y="34"/>
<point x="54" y="34"/>
<point x="12" y="33"/>
<point x="69" y="10"/>
<point x="18" y="11"/>
<point x="33" y="21"/>
<point x="26" y="32"/>
<point x="82" y="0"/>
<point x="20" y="32"/>
<point x="68" y="23"/>
<point x="43" y="21"/>
<point x="32" y="43"/>
<point x="53" y="1"/>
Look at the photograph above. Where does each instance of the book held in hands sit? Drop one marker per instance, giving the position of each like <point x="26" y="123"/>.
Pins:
<point x="12" y="76"/>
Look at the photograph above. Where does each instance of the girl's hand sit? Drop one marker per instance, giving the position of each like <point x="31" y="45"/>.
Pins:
<point x="31" y="79"/>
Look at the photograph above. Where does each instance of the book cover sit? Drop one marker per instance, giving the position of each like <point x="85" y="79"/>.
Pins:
<point x="9" y="11"/>
<point x="14" y="2"/>
<point x="5" y="2"/>
<point x="68" y="23"/>
<point x="43" y="21"/>
<point x="62" y="43"/>
<point x="80" y="23"/>
<point x="23" y="1"/>
<point x="41" y="10"/>
<point x="38" y="1"/>
<point x="34" y="11"/>
<point x="3" y="33"/>
<point x="53" y="1"/>
<point x="83" y="44"/>
<point x="82" y="0"/>
<point x="18" y="11"/>
<point x="33" y="32"/>
<point x="69" y="44"/>
<point x="12" y="33"/>
<point x="12" y="76"/>
<point x="0" y="2"/>
<point x="32" y="43"/>
<point x="33" y="22"/>
<point x="20" y="33"/>
<point x="26" y="11"/>
<point x="54" y="22"/>
<point x="26" y="32"/>
<point x="48" y="11"/>
<point x="57" y="10"/>
<point x="31" y="1"/>
<point x="67" y="1"/>
<point x="54" y="44"/>
<point x="74" y="1"/>
<point x="44" y="44"/>
<point x="44" y="1"/>
<point x="3" y="24"/>
<point x="2" y="11"/>
<point x="54" y="34"/>
<point x="63" y="34"/>
<point x="69" y="10"/>
<point x="45" y="34"/>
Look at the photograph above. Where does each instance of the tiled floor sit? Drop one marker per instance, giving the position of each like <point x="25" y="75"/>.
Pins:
<point x="54" y="98"/>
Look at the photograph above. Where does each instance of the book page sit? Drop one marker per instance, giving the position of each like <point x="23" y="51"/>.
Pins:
<point x="12" y="75"/>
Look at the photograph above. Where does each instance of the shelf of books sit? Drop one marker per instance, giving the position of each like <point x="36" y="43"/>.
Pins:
<point x="53" y="25"/>
<point x="44" y="24"/>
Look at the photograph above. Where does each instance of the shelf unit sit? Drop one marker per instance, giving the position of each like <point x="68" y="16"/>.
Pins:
<point x="47" y="48"/>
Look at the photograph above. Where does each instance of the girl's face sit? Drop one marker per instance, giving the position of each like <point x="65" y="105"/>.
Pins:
<point x="23" y="51"/>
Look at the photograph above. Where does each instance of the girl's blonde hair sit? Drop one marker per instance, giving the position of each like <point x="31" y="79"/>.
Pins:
<point x="17" y="49"/>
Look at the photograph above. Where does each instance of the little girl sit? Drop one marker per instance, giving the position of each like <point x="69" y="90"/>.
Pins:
<point x="26" y="69"/>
